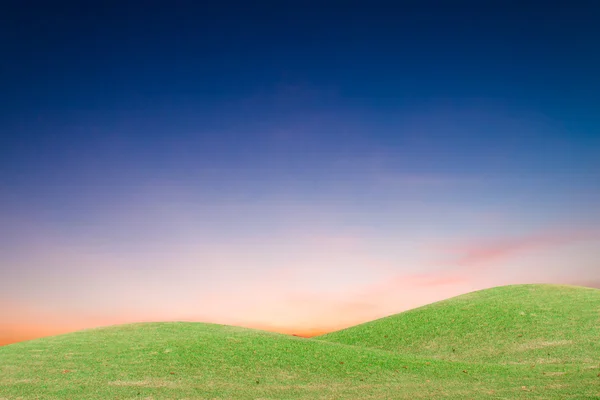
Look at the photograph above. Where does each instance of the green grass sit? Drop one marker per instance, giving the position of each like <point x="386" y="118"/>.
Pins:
<point x="206" y="361"/>
<point x="542" y="324"/>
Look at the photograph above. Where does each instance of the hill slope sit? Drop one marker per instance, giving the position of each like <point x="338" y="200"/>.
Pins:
<point x="207" y="361"/>
<point x="195" y="360"/>
<point x="508" y="324"/>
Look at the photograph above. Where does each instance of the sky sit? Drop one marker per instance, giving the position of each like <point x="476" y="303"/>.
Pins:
<point x="295" y="167"/>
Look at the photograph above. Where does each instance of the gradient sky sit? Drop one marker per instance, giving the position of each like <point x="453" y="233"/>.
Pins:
<point x="298" y="168"/>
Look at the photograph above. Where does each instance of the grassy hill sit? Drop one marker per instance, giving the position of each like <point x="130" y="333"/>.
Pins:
<point x="510" y="324"/>
<point x="207" y="361"/>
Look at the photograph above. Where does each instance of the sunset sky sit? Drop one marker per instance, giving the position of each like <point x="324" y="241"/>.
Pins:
<point x="297" y="168"/>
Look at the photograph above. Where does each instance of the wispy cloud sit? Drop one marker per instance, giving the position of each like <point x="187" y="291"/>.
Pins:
<point x="299" y="312"/>
<point x="331" y="282"/>
<point x="482" y="253"/>
<point x="462" y="264"/>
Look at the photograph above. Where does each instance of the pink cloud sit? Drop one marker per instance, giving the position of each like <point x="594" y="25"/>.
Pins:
<point x="274" y="304"/>
<point x="421" y="288"/>
<point x="479" y="254"/>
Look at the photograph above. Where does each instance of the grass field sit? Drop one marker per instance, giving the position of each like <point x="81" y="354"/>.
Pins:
<point x="524" y="341"/>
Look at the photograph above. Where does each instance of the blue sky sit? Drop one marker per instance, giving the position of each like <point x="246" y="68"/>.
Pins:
<point x="275" y="166"/>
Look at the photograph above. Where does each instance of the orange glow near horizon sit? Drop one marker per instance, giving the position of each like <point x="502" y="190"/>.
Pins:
<point x="292" y="302"/>
<point x="20" y="333"/>
<point x="14" y="333"/>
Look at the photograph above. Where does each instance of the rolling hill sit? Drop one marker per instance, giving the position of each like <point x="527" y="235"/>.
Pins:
<point x="507" y="324"/>
<point x="178" y="360"/>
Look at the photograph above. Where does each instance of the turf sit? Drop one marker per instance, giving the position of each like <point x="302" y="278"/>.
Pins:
<point x="509" y="324"/>
<point x="206" y="361"/>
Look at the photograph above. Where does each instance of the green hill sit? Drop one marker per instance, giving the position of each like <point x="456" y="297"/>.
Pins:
<point x="509" y="324"/>
<point x="205" y="361"/>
